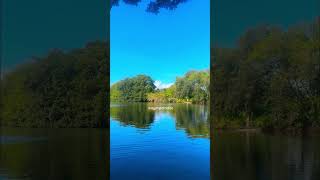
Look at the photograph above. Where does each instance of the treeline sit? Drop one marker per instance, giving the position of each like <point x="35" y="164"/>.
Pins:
<point x="62" y="89"/>
<point x="270" y="80"/>
<point x="191" y="88"/>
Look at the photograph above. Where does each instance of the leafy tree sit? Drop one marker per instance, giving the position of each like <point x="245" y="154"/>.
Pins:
<point x="153" y="6"/>
<point x="163" y="95"/>
<point x="270" y="80"/>
<point x="62" y="89"/>
<point x="133" y="89"/>
<point x="194" y="86"/>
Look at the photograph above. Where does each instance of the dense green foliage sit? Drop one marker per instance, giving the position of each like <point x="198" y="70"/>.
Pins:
<point x="270" y="80"/>
<point x="193" y="88"/>
<point x="163" y="95"/>
<point x="63" y="89"/>
<point x="132" y="89"/>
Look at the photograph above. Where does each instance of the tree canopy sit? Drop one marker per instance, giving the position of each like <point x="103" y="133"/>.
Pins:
<point x="153" y="6"/>
<point x="270" y="80"/>
<point x="62" y="89"/>
<point x="193" y="87"/>
<point x="133" y="89"/>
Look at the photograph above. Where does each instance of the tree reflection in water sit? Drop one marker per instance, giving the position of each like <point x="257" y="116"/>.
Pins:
<point x="191" y="118"/>
<point x="258" y="156"/>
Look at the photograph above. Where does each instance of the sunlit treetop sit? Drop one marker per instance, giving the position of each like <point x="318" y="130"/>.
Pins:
<point x="154" y="6"/>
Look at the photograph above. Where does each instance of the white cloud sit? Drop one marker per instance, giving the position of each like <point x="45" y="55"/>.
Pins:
<point x="161" y="85"/>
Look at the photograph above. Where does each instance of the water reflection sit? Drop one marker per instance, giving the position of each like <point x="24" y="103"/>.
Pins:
<point x="174" y="144"/>
<point x="136" y="114"/>
<point x="191" y="118"/>
<point x="54" y="154"/>
<point x="258" y="156"/>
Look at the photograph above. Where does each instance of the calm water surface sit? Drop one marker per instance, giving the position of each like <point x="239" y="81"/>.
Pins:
<point x="170" y="144"/>
<point x="259" y="156"/>
<point x="157" y="144"/>
<point x="57" y="154"/>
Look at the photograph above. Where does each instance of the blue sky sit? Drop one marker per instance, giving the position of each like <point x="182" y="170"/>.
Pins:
<point x="162" y="46"/>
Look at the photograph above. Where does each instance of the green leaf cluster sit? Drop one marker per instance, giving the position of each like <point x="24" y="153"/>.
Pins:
<point x="133" y="89"/>
<point x="62" y="89"/>
<point x="191" y="88"/>
<point x="270" y="80"/>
